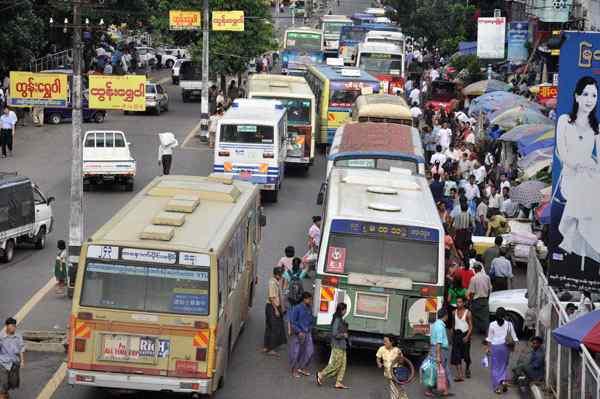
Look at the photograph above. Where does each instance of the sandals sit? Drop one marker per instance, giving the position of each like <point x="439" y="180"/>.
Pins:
<point x="459" y="379"/>
<point x="342" y="386"/>
<point x="303" y="372"/>
<point x="318" y="379"/>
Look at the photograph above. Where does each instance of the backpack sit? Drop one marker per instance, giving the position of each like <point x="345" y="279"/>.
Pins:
<point x="295" y="290"/>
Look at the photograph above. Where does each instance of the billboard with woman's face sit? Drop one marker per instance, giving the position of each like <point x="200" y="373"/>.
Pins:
<point x="575" y="213"/>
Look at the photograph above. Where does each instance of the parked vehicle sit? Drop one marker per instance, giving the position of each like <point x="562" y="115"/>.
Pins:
<point x="146" y="57"/>
<point x="27" y="214"/>
<point x="56" y="116"/>
<point x="157" y="98"/>
<point x="107" y="159"/>
<point x="443" y="94"/>
<point x="191" y="80"/>
<point x="169" y="56"/>
<point x="331" y="25"/>
<point x="176" y="70"/>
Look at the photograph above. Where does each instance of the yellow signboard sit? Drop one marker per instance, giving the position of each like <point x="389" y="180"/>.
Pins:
<point x="28" y="89"/>
<point x="126" y="92"/>
<point x="228" y="20"/>
<point x="184" y="20"/>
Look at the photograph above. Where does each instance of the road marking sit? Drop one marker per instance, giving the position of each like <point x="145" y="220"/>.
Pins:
<point x="34" y="300"/>
<point x="54" y="382"/>
<point x="191" y="134"/>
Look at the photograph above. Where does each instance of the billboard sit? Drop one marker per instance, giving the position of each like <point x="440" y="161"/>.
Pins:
<point x="28" y="89"/>
<point x="518" y="36"/>
<point x="574" y="257"/>
<point x="127" y="92"/>
<point x="184" y="20"/>
<point x="228" y="21"/>
<point x="491" y="36"/>
<point x="552" y="10"/>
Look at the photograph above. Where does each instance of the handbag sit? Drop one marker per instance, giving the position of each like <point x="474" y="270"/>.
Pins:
<point x="508" y="340"/>
<point x="442" y="379"/>
<point x="14" y="375"/>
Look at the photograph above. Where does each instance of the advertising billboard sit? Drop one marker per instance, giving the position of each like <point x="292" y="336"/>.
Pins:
<point x="552" y="10"/>
<point x="491" y="37"/>
<point x="127" y="92"/>
<point x="574" y="257"/>
<point x="28" y="89"/>
<point x="518" y="36"/>
<point x="228" y="21"/>
<point x="184" y="20"/>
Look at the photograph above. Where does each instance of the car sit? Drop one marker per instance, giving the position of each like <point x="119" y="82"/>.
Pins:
<point x="442" y="94"/>
<point x="157" y="99"/>
<point x="515" y="302"/>
<point x="176" y="69"/>
<point x="169" y="56"/>
<point x="146" y="57"/>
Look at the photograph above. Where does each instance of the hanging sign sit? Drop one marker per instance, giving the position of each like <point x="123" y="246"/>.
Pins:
<point x="228" y="21"/>
<point x="29" y="89"/>
<point x="127" y="92"/>
<point x="184" y="20"/>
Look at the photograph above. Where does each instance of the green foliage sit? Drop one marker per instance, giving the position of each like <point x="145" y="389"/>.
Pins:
<point x="468" y="67"/>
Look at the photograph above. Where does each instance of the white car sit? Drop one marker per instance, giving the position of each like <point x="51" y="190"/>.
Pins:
<point x="515" y="303"/>
<point x="146" y="56"/>
<point x="169" y="56"/>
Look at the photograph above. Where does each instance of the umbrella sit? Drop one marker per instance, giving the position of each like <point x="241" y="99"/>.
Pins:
<point x="583" y="330"/>
<point x="528" y="193"/>
<point x="535" y="156"/>
<point x="542" y="213"/>
<point x="535" y="167"/>
<point x="498" y="101"/>
<point x="546" y="140"/>
<point x="485" y="86"/>
<point x="520" y="115"/>
<point x="521" y="131"/>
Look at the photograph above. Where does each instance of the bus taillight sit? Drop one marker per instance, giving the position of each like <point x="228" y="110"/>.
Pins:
<point x="427" y="291"/>
<point x="331" y="281"/>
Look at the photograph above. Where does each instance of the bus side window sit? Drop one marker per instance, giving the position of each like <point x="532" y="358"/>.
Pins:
<point x="222" y="271"/>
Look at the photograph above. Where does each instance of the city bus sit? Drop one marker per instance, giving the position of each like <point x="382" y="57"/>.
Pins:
<point x="301" y="47"/>
<point x="331" y="25"/>
<point x="380" y="36"/>
<point x="376" y="145"/>
<point x="335" y="90"/>
<point x="352" y="35"/>
<point x="360" y="18"/>
<point x="381" y="108"/>
<point x="385" y="61"/>
<point x="165" y="287"/>
<point x="296" y="95"/>
<point x="382" y="254"/>
<point x="250" y="144"/>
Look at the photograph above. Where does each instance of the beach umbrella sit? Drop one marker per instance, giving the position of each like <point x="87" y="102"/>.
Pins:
<point x="520" y="115"/>
<point x="498" y="101"/>
<point x="535" y="157"/>
<point x="485" y="86"/>
<point x="584" y="330"/>
<point x="528" y="193"/>
<point x="521" y="131"/>
<point x="545" y="140"/>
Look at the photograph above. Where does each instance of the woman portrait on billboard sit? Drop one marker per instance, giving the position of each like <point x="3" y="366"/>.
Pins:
<point x="578" y="149"/>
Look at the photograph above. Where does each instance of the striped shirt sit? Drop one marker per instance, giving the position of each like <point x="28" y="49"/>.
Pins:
<point x="463" y="221"/>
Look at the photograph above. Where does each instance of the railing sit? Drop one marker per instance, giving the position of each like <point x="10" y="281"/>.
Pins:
<point x="53" y="61"/>
<point x="570" y="373"/>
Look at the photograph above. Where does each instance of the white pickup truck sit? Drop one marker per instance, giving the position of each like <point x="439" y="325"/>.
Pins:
<point x="107" y="159"/>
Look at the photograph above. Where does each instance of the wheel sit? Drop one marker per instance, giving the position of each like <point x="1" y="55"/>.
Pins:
<point x="166" y="107"/>
<point x="271" y="195"/>
<point x="9" y="251"/>
<point x="169" y="64"/>
<point x="516" y="320"/>
<point x="40" y="242"/>
<point x="125" y="112"/>
<point x="129" y="186"/>
<point x="55" y="119"/>
<point x="99" y="117"/>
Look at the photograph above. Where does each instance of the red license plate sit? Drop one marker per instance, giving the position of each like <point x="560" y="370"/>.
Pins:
<point x="185" y="366"/>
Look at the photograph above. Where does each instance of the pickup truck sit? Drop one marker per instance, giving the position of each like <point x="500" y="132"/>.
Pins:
<point x="107" y="159"/>
<point x="27" y="214"/>
<point x="190" y="80"/>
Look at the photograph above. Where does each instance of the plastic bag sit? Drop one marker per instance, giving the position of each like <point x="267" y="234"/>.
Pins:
<point x="442" y="380"/>
<point x="428" y="372"/>
<point x="310" y="259"/>
<point x="485" y="362"/>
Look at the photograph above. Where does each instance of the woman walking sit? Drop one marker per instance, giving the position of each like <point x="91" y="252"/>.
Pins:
<point x="461" y="340"/>
<point x="389" y="356"/>
<point x="500" y="341"/>
<point x="337" y="359"/>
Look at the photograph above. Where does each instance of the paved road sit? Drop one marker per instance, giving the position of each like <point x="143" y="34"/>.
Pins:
<point x="44" y="155"/>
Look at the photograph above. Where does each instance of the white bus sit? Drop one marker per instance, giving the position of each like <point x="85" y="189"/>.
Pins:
<point x="380" y="36"/>
<point x="382" y="254"/>
<point x="296" y="95"/>
<point x="251" y="144"/>
<point x="331" y="25"/>
<point x="385" y="61"/>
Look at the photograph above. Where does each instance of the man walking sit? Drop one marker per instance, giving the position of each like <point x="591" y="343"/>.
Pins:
<point x="12" y="357"/>
<point x="274" y="331"/>
<point x="501" y="272"/>
<point x="165" y="151"/>
<point x="479" y="291"/>
<point x="301" y="344"/>
<point x="8" y="121"/>
<point x="492" y="253"/>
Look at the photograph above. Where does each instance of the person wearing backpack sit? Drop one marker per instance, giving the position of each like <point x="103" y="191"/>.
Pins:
<point x="301" y="346"/>
<point x="292" y="282"/>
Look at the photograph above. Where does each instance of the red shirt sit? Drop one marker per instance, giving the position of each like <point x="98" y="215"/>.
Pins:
<point x="465" y="276"/>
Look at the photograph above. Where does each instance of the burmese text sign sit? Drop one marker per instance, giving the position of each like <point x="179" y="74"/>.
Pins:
<point x="29" y="89"/>
<point x="184" y="20"/>
<point x="126" y="92"/>
<point x="491" y="36"/>
<point x="228" y="20"/>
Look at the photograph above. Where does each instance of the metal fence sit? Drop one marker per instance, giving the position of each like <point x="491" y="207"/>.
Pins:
<point x="53" y="61"/>
<point x="570" y="374"/>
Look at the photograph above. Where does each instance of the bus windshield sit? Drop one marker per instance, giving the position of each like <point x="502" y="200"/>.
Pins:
<point x="380" y="62"/>
<point x="416" y="260"/>
<point x="298" y="110"/>
<point x="303" y="41"/>
<point x="333" y="27"/>
<point x="247" y="134"/>
<point x="378" y="163"/>
<point x="155" y="288"/>
<point x="343" y="97"/>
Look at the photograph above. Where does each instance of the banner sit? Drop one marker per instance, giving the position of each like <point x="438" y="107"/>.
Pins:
<point x="126" y="92"/>
<point x="518" y="36"/>
<point x="228" y="20"/>
<point x="491" y="36"/>
<point x="575" y="208"/>
<point x="28" y="89"/>
<point x="552" y="10"/>
<point x="184" y="20"/>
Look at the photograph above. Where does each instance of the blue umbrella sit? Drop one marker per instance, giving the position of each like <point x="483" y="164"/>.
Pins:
<point x="496" y="101"/>
<point x="583" y="330"/>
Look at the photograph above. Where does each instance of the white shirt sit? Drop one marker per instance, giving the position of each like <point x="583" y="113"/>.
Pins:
<point x="415" y="96"/>
<point x="495" y="201"/>
<point x="214" y="121"/>
<point x="453" y="155"/>
<point x="445" y="137"/>
<point x="8" y="121"/>
<point x="508" y="207"/>
<point x="416" y="112"/>
<point x="434" y="74"/>
<point x="464" y="168"/>
<point x="471" y="191"/>
<point x="505" y="183"/>
<point x="480" y="174"/>
<point x="497" y="334"/>
<point x="166" y="149"/>
<point x="438" y="156"/>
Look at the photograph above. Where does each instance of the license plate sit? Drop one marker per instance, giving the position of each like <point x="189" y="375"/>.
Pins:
<point x="128" y="348"/>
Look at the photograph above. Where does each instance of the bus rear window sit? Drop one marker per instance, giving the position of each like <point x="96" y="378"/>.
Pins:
<point x="146" y="288"/>
<point x="247" y="134"/>
<point x="377" y="163"/>
<point x="416" y="260"/>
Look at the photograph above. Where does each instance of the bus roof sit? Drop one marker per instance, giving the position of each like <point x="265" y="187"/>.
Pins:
<point x="304" y="29"/>
<point x="380" y="99"/>
<point x="380" y="12"/>
<point x="382" y="139"/>
<point x="335" y="73"/>
<point x="393" y="197"/>
<point x="284" y="86"/>
<point x="206" y="229"/>
<point x="378" y="47"/>
<point x="255" y="110"/>
<point x="391" y="35"/>
<point x="335" y="18"/>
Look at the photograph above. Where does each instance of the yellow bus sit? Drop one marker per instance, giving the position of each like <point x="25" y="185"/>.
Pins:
<point x="165" y="287"/>
<point x="335" y="90"/>
<point x="381" y="108"/>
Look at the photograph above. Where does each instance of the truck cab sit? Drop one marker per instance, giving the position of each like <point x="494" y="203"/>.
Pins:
<point x="107" y="159"/>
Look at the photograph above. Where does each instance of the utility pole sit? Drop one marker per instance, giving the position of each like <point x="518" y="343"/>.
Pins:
<point x="204" y="116"/>
<point x="76" y="215"/>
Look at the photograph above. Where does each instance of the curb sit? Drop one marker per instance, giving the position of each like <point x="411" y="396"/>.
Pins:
<point x="53" y="347"/>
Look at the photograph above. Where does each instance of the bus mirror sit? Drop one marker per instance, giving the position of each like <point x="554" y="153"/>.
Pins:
<point x="321" y="195"/>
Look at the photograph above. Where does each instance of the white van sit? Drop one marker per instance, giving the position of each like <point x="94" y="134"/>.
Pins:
<point x="251" y="143"/>
<point x="107" y="159"/>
